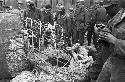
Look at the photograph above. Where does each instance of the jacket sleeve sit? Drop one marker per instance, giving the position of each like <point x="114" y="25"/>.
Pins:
<point x="68" y="23"/>
<point x="51" y="19"/>
<point x="24" y="18"/>
<point x="120" y="47"/>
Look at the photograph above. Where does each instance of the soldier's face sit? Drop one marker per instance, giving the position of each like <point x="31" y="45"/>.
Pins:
<point x="122" y="3"/>
<point x="30" y="5"/>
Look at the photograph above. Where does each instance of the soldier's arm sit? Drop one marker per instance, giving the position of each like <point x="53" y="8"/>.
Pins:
<point x="51" y="19"/>
<point x="24" y="19"/>
<point x="120" y="47"/>
<point x="56" y="16"/>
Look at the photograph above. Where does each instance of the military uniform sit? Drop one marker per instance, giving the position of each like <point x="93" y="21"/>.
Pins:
<point x="65" y="22"/>
<point x="34" y="14"/>
<point x="90" y="25"/>
<point x="47" y="17"/>
<point x="80" y="27"/>
<point x="114" y="68"/>
<point x="71" y="14"/>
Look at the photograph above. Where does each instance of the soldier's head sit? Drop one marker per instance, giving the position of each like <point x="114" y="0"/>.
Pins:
<point x="58" y="5"/>
<point x="30" y="4"/>
<point x="112" y="9"/>
<point x="61" y="10"/>
<point x="78" y="3"/>
<point x="71" y="10"/>
<point x="122" y="3"/>
<point x="48" y="8"/>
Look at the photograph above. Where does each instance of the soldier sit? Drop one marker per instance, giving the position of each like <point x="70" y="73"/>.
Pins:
<point x="47" y="15"/>
<point x="20" y="3"/>
<point x="33" y="13"/>
<point x="114" y="68"/>
<point x="104" y="52"/>
<point x="98" y="16"/>
<point x="80" y="28"/>
<point x="64" y="21"/>
<point x="71" y="14"/>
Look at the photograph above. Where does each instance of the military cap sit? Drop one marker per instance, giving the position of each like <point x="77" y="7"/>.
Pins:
<point x="48" y="6"/>
<point x="29" y="2"/>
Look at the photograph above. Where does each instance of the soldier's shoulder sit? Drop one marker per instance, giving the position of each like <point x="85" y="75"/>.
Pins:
<point x="38" y="9"/>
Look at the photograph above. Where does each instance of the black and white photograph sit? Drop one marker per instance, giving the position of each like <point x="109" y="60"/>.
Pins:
<point x="62" y="40"/>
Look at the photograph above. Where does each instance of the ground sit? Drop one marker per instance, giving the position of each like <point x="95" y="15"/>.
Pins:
<point x="4" y="72"/>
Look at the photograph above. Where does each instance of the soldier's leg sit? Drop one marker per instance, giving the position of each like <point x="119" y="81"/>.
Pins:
<point x="67" y="39"/>
<point x="81" y="36"/>
<point x="95" y="37"/>
<point x="75" y="36"/>
<point x="89" y="36"/>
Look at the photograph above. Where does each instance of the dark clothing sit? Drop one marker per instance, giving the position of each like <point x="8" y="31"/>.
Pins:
<point x="90" y="26"/>
<point x="47" y="17"/>
<point x="78" y="36"/>
<point x="65" y="22"/>
<point x="80" y="26"/>
<point x="103" y="51"/>
<point x="34" y="14"/>
<point x="101" y="57"/>
<point x="91" y="36"/>
<point x="114" y="68"/>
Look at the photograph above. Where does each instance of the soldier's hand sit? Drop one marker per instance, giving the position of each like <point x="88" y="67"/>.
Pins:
<point x="108" y="37"/>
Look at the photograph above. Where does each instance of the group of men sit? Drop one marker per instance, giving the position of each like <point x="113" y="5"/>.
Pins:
<point x="72" y="22"/>
<point x="109" y="66"/>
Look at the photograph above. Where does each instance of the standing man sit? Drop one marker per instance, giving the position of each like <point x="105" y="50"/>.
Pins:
<point x="64" y="21"/>
<point x="35" y="14"/>
<point x="47" y="15"/>
<point x="80" y="27"/>
<point x="97" y="16"/>
<point x="71" y="14"/>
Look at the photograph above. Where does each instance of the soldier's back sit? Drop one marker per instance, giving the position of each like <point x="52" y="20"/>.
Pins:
<point x="33" y="14"/>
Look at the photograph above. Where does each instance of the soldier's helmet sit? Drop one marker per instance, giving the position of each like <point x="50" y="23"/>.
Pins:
<point x="71" y="9"/>
<point x="58" y="5"/>
<point x="30" y="2"/>
<point x="20" y="2"/>
<point x="61" y="8"/>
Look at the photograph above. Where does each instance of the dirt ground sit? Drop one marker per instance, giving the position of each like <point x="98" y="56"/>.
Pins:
<point x="4" y="44"/>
